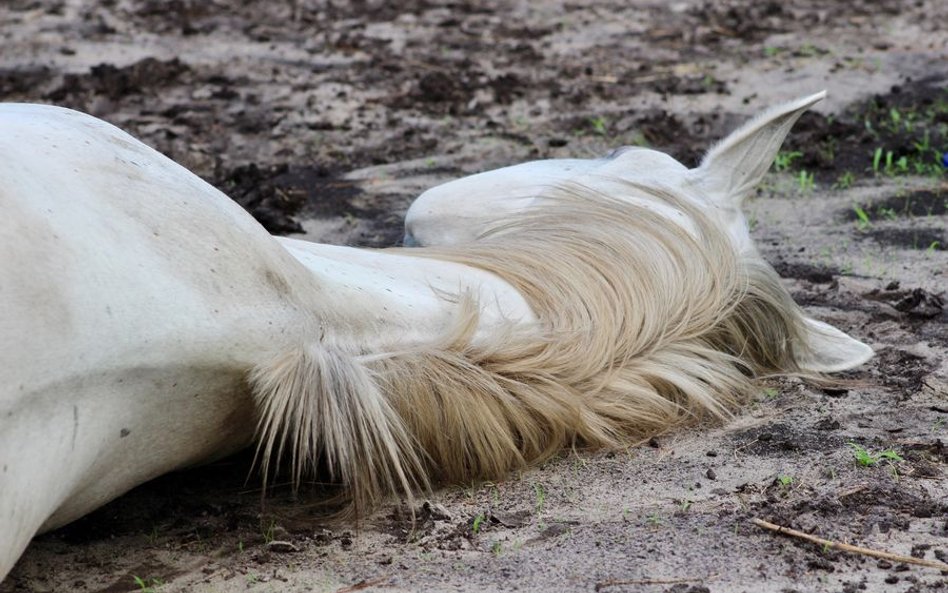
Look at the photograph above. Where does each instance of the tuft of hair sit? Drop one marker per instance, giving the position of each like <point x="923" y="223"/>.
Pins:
<point x="642" y="327"/>
<point x="318" y="404"/>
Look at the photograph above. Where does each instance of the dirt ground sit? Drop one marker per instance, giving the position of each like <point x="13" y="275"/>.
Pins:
<point x="327" y="117"/>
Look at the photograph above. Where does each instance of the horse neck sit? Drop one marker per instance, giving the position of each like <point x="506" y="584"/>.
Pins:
<point x="393" y="299"/>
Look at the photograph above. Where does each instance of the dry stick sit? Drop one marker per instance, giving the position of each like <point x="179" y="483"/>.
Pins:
<point x="615" y="583"/>
<point x="362" y="585"/>
<point x="850" y="548"/>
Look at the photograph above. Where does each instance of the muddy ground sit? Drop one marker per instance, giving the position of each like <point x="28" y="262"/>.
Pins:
<point x="327" y="117"/>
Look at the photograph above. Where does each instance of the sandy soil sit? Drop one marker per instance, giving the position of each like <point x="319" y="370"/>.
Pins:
<point x="328" y="117"/>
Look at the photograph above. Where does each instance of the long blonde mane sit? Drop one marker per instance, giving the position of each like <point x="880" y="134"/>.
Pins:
<point x="642" y="327"/>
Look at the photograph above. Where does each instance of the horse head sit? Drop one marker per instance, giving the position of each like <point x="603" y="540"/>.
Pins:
<point x="462" y="210"/>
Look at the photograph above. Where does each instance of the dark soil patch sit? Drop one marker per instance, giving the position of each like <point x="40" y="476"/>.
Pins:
<point x="383" y="216"/>
<point x="936" y="451"/>
<point x="877" y="505"/>
<point x="898" y="368"/>
<point x="277" y="194"/>
<point x="17" y="84"/>
<point x="115" y="83"/>
<point x="908" y="127"/>
<point x="454" y="90"/>
<point x="732" y="26"/>
<point x="913" y="204"/>
<point x="684" y="137"/>
<point x="816" y="274"/>
<point x="207" y="504"/>
<point x="203" y="501"/>
<point x="921" y="304"/>
<point x="915" y="302"/>
<point x="779" y="438"/>
<point x="690" y="85"/>
<point x="929" y="239"/>
<point x="720" y="21"/>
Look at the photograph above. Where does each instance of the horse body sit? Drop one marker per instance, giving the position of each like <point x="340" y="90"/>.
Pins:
<point x="135" y="298"/>
<point x="158" y="326"/>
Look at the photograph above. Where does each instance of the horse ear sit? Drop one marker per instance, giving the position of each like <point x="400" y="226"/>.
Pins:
<point x="733" y="168"/>
<point x="828" y="350"/>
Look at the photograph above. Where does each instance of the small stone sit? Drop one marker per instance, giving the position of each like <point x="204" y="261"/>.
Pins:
<point x="710" y="474"/>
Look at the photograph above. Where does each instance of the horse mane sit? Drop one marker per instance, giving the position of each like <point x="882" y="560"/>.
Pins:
<point x="642" y="327"/>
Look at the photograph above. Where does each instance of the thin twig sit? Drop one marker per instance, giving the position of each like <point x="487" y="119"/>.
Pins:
<point x="362" y="585"/>
<point x="850" y="548"/>
<point x="615" y="583"/>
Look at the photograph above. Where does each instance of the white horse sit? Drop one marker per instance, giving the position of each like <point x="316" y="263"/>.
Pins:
<point x="150" y="324"/>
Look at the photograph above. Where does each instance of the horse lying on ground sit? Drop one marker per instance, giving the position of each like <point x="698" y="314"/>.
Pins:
<point x="150" y="324"/>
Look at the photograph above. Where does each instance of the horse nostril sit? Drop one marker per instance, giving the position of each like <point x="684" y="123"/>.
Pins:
<point x="409" y="241"/>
